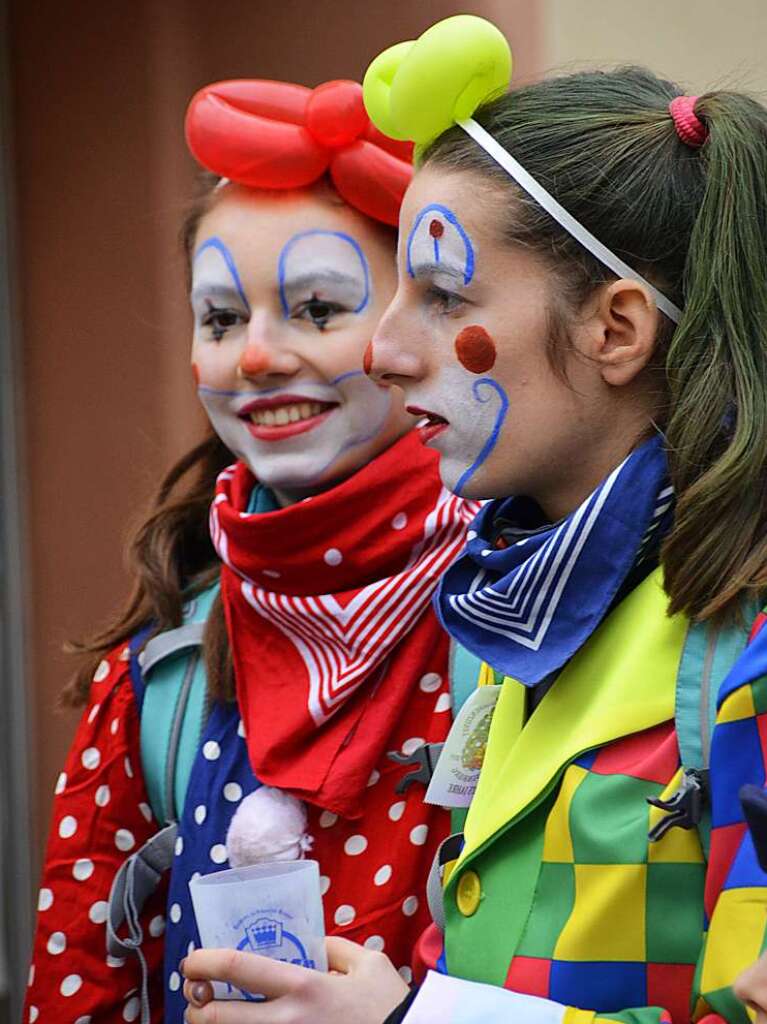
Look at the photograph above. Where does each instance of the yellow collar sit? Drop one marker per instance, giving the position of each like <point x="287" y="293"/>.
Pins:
<point x="622" y="681"/>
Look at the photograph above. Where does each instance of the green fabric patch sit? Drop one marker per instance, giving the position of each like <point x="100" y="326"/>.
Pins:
<point x="604" y="808"/>
<point x="724" y="1003"/>
<point x="480" y="947"/>
<point x="759" y="693"/>
<point x="674" y="912"/>
<point x="552" y="906"/>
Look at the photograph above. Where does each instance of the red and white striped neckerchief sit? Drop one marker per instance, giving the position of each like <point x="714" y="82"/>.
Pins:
<point x="328" y="604"/>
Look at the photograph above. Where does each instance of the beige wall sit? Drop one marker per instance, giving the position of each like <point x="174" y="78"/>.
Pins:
<point x="702" y="45"/>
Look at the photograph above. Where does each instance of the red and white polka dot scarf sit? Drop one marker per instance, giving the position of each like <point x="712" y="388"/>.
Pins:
<point x="328" y="605"/>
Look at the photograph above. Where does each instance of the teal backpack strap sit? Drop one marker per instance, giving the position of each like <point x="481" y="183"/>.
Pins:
<point x="174" y="708"/>
<point x="709" y="652"/>
<point x="464" y="668"/>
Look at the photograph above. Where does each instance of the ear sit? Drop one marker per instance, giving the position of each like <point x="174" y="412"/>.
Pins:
<point x="623" y="330"/>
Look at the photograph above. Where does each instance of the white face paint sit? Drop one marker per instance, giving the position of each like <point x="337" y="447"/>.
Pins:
<point x="282" y="320"/>
<point x="474" y="408"/>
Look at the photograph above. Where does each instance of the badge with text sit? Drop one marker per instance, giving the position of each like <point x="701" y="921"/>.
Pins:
<point x="455" y="778"/>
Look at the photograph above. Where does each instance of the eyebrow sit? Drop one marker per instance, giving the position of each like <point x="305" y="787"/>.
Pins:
<point x="435" y="269"/>
<point x="331" y="276"/>
<point x="215" y="291"/>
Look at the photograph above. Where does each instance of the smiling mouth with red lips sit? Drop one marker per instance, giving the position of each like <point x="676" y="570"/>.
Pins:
<point x="431" y="423"/>
<point x="284" y="416"/>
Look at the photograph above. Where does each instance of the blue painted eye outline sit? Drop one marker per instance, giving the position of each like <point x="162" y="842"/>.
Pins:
<point x="313" y="233"/>
<point x="216" y="243"/>
<point x="451" y="218"/>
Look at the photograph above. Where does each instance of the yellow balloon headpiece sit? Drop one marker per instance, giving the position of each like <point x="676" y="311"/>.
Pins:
<point x="418" y="89"/>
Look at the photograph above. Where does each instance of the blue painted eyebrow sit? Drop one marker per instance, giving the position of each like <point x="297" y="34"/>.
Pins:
<point x="314" y="233"/>
<point x="220" y="247"/>
<point x="450" y="217"/>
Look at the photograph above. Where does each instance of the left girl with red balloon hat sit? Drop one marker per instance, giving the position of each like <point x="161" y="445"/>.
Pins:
<point x="329" y="529"/>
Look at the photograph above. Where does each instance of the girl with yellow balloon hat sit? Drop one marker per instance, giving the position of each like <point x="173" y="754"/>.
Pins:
<point x="579" y="323"/>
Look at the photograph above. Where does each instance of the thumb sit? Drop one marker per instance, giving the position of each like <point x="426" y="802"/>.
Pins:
<point x="344" y="956"/>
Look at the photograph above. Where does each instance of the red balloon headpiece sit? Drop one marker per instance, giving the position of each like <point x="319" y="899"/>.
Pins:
<point x="275" y="135"/>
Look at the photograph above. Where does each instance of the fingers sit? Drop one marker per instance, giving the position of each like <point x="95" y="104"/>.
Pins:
<point x="247" y="971"/>
<point x="343" y="955"/>
<point x="235" y="1011"/>
<point x="751" y="987"/>
<point x="198" y="993"/>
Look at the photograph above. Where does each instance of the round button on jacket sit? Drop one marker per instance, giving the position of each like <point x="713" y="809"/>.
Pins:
<point x="468" y="893"/>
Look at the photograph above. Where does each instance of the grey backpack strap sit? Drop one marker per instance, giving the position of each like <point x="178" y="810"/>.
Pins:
<point x="133" y="884"/>
<point x="449" y="850"/>
<point x="170" y="642"/>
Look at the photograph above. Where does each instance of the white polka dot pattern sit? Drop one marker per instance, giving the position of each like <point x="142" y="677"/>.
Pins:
<point x="355" y="845"/>
<point x="124" y="840"/>
<point x="345" y="914"/>
<point x="98" y="912"/>
<point x="71" y="984"/>
<point x="57" y="943"/>
<point x="82" y="869"/>
<point x="333" y="557"/>
<point x="67" y="826"/>
<point x="233" y="792"/>
<point x="101" y="672"/>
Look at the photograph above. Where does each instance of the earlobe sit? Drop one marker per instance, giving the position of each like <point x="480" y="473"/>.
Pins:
<point x="628" y="322"/>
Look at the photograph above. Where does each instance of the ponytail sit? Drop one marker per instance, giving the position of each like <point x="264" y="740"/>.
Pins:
<point x="717" y="373"/>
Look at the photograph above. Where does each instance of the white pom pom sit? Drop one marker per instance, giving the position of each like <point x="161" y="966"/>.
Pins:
<point x="268" y="825"/>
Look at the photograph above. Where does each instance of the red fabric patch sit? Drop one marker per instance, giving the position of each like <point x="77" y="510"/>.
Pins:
<point x="759" y="621"/>
<point x="669" y="986"/>
<point x="475" y="349"/>
<point x="529" y="975"/>
<point x="725" y="843"/>
<point x="428" y="949"/>
<point x="652" y="755"/>
<point x="761" y="724"/>
<point x="436" y="229"/>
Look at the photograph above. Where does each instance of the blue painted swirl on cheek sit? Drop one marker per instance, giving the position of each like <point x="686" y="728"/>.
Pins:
<point x="492" y="440"/>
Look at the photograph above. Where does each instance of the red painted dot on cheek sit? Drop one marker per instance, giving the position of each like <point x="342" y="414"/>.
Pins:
<point x="475" y="349"/>
<point x="196" y="374"/>
<point x="436" y="229"/>
<point x="367" y="359"/>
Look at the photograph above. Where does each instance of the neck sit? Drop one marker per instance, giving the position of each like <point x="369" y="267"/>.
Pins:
<point x="566" y="491"/>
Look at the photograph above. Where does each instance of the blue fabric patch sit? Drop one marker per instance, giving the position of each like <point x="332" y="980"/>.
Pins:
<point x="611" y="985"/>
<point x="526" y="608"/>
<point x="217" y="784"/>
<point x="750" y="666"/>
<point x="745" y="871"/>
<point x="136" y="675"/>
<point x="736" y="757"/>
<point x="587" y="760"/>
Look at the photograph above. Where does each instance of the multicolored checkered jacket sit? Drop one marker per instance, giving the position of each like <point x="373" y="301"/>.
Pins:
<point x="558" y="899"/>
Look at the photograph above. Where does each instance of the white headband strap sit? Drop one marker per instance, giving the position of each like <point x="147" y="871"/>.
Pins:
<point x="559" y="213"/>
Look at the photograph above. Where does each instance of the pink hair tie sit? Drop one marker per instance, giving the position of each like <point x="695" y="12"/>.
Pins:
<point x="689" y="127"/>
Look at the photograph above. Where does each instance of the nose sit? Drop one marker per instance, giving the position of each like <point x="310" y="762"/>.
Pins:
<point x="263" y="354"/>
<point x="393" y="355"/>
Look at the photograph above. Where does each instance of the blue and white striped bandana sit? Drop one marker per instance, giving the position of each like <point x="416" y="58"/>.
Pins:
<point x="527" y="607"/>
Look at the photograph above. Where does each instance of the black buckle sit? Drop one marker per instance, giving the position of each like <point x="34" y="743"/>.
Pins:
<point x="684" y="808"/>
<point x="425" y="757"/>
